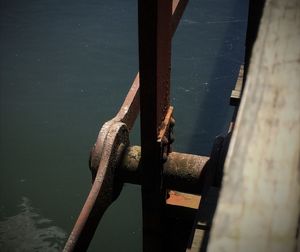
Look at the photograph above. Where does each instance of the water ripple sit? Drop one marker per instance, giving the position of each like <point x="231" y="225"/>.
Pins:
<point x="29" y="231"/>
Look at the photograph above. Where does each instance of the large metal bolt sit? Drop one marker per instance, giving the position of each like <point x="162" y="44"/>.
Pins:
<point x="181" y="172"/>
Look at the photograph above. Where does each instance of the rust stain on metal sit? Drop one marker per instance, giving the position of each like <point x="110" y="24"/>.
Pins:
<point x="131" y="105"/>
<point x="113" y="136"/>
<point x="183" y="199"/>
<point x="181" y="172"/>
<point x="163" y="128"/>
<point x="103" y="192"/>
<point x="127" y="115"/>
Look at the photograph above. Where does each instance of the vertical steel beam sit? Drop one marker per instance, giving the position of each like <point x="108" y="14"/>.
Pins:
<point x="155" y="32"/>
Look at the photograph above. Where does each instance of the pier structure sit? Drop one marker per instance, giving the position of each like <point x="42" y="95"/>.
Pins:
<point x="246" y="195"/>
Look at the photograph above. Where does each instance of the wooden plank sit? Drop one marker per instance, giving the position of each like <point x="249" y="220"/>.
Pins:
<point x="236" y="93"/>
<point x="204" y="217"/>
<point x="259" y="205"/>
<point x="197" y="241"/>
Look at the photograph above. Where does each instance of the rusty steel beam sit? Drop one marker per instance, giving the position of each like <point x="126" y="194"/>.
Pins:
<point x="181" y="172"/>
<point x="106" y="149"/>
<point x="131" y="105"/>
<point x="154" y="64"/>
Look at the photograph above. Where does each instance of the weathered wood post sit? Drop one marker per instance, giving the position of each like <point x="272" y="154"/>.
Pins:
<point x="259" y="206"/>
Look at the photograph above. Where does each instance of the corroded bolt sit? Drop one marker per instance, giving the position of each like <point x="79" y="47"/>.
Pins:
<point x="181" y="172"/>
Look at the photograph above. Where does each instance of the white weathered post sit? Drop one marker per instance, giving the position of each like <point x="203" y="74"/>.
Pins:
<point x="259" y="206"/>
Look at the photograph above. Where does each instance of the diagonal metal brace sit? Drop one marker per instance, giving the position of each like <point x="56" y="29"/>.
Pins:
<point x="104" y="189"/>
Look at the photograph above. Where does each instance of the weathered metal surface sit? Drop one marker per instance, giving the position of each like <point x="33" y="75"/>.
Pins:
<point x="103" y="187"/>
<point x="165" y="134"/>
<point x="164" y="126"/>
<point x="154" y="63"/>
<point x="185" y="172"/>
<point x="181" y="199"/>
<point x="181" y="172"/>
<point x="103" y="191"/>
<point x="131" y="106"/>
<point x="127" y="115"/>
<point x="108" y="148"/>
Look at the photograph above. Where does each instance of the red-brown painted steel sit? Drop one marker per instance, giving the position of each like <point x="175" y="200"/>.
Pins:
<point x="103" y="191"/>
<point x="155" y="33"/>
<point x="127" y="115"/>
<point x="157" y="23"/>
<point x="108" y="144"/>
<point x="131" y="105"/>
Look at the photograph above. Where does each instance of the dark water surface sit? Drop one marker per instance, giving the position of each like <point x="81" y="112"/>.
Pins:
<point x="65" y="68"/>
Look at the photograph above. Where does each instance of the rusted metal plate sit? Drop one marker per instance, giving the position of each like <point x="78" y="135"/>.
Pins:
<point x="183" y="199"/>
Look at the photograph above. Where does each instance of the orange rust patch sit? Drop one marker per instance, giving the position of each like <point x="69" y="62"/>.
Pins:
<point x="183" y="199"/>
